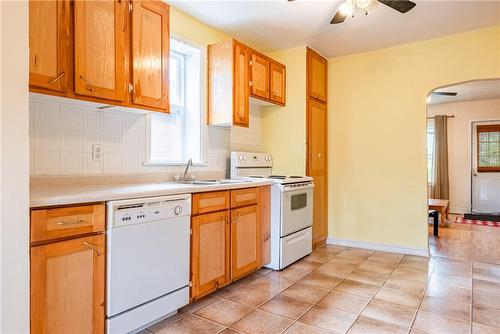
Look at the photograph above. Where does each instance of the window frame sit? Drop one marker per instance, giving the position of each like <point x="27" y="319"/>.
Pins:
<point x="430" y="174"/>
<point x="481" y="129"/>
<point x="203" y="113"/>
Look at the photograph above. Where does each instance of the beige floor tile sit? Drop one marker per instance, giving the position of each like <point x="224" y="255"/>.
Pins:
<point x="264" y="271"/>
<point x="485" y="299"/>
<point x="421" y="275"/>
<point x="388" y="312"/>
<point x="164" y="323"/>
<point x="365" y="325"/>
<point x="306" y="265"/>
<point x="367" y="276"/>
<point x="344" y="302"/>
<point x="485" y="286"/>
<point x="486" y="316"/>
<point x="357" y="288"/>
<point x="447" y="308"/>
<point x="483" y="329"/>
<point x="318" y="257"/>
<point x="437" y="324"/>
<point x="273" y="283"/>
<point x="307" y="293"/>
<point x="336" y="269"/>
<point x="224" y="312"/>
<point x="451" y="280"/>
<point x="482" y="239"/>
<point x="348" y="260"/>
<point x="328" y="318"/>
<point x="321" y="280"/>
<point x="406" y="298"/>
<point x="486" y="272"/>
<point x="287" y="307"/>
<point x="249" y="296"/>
<point x="300" y="328"/>
<point x="229" y="331"/>
<point x="449" y="293"/>
<point x="385" y="268"/>
<point x="384" y="257"/>
<point x="290" y="274"/>
<point x="405" y="284"/>
<point x="260" y="322"/>
<point x="452" y="267"/>
<point x="417" y="262"/>
<point x="191" y="325"/>
<point x="418" y="331"/>
<point x="193" y="307"/>
<point x="227" y="289"/>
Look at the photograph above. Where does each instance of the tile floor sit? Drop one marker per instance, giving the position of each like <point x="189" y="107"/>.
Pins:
<point x="348" y="290"/>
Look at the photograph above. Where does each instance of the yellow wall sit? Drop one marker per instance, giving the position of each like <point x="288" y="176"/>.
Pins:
<point x="284" y="128"/>
<point x="376" y="127"/>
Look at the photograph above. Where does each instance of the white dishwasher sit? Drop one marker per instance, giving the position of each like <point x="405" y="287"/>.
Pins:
<point x="147" y="261"/>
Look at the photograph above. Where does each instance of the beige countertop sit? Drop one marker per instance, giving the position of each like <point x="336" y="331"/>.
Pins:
<point x="63" y="195"/>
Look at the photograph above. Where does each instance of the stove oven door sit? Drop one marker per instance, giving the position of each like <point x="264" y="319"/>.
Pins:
<point x="296" y="208"/>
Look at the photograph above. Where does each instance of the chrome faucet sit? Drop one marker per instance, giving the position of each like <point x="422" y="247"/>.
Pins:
<point x="189" y="164"/>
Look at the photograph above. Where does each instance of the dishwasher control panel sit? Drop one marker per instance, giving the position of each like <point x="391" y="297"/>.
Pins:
<point x="150" y="210"/>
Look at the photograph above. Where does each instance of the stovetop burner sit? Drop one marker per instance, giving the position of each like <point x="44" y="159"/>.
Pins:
<point x="279" y="177"/>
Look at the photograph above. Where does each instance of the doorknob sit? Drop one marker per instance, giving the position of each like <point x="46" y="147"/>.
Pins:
<point x="474" y="172"/>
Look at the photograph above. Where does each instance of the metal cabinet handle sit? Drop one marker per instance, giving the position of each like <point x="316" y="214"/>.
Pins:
<point x="79" y="221"/>
<point x="237" y="218"/>
<point x="88" y="84"/>
<point x="89" y="245"/>
<point x="56" y="78"/>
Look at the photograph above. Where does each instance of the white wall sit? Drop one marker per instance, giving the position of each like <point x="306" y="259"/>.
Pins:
<point x="459" y="149"/>
<point x="62" y="132"/>
<point x="14" y="305"/>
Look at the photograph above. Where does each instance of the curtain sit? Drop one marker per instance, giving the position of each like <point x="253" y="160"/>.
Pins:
<point x="440" y="184"/>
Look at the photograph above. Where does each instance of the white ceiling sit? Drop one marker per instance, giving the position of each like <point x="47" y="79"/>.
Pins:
<point x="469" y="91"/>
<point x="277" y="25"/>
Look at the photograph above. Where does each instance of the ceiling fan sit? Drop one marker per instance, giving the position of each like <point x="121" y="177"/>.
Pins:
<point x="348" y="7"/>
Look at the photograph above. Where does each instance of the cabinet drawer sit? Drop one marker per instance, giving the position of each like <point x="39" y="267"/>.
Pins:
<point x="56" y="223"/>
<point x="243" y="197"/>
<point x="210" y="202"/>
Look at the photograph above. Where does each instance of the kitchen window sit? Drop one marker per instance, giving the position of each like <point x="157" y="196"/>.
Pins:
<point x="179" y="136"/>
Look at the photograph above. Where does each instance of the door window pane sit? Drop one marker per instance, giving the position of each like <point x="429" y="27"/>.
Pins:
<point x="488" y="149"/>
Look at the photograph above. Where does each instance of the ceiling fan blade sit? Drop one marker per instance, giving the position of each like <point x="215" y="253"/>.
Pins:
<point x="445" y="93"/>
<point x="338" y="18"/>
<point x="401" y="6"/>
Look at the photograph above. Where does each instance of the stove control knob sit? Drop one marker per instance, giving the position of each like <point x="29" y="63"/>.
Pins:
<point x="240" y="157"/>
<point x="245" y="157"/>
<point x="178" y="210"/>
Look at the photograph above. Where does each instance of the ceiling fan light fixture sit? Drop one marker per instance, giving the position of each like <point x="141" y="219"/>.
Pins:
<point x="347" y="8"/>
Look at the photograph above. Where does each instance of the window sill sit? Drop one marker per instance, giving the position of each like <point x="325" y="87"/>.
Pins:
<point x="198" y="164"/>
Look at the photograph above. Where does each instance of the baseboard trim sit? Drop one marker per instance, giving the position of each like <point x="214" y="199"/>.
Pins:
<point x="378" y="247"/>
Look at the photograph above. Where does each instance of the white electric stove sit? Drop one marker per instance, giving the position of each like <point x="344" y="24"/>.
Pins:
<point x="291" y="207"/>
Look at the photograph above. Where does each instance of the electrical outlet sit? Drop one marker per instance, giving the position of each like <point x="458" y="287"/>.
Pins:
<point x="97" y="152"/>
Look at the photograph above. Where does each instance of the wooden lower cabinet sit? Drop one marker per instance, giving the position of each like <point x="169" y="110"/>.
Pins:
<point x="67" y="286"/>
<point x="209" y="252"/>
<point x="245" y="241"/>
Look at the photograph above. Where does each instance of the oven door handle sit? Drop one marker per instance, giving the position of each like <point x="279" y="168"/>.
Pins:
<point x="288" y="188"/>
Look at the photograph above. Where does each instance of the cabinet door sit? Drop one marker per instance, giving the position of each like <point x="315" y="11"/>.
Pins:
<point x="245" y="238"/>
<point x="49" y="44"/>
<point x="317" y="166"/>
<point x="277" y="81"/>
<point x="67" y="286"/>
<point x="317" y="76"/>
<point x="150" y="53"/>
<point x="259" y="76"/>
<point x="100" y="49"/>
<point x="241" y="85"/>
<point x="209" y="252"/>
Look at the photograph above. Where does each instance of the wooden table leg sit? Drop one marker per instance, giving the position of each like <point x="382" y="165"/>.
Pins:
<point x="443" y="217"/>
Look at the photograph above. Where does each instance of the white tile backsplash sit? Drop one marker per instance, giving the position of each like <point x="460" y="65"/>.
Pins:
<point x="62" y="132"/>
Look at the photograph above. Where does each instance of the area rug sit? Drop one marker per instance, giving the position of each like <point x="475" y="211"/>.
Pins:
<point x="462" y="220"/>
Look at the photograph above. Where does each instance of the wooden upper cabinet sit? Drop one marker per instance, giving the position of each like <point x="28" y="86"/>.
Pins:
<point x="277" y="83"/>
<point x="245" y="241"/>
<point x="209" y="252"/>
<point x="241" y="86"/>
<point x="49" y="44"/>
<point x="259" y="75"/>
<point x="67" y="286"/>
<point x="100" y="35"/>
<point x="317" y="74"/>
<point x="150" y="54"/>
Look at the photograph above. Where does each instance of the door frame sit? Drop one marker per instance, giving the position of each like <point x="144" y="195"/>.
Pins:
<point x="471" y="153"/>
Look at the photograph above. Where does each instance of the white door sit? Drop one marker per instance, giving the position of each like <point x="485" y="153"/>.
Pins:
<point x="486" y="167"/>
